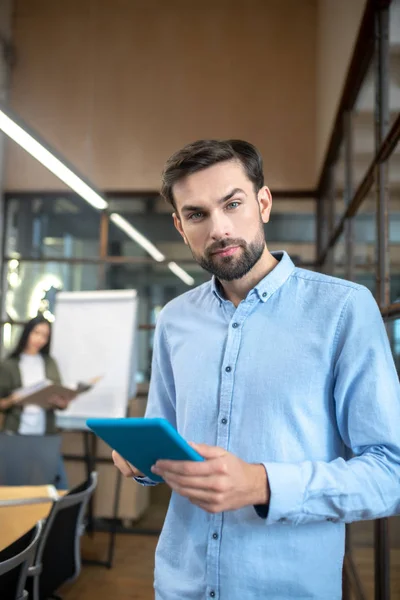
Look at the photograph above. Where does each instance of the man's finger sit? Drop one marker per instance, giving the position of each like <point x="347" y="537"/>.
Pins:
<point x="126" y="468"/>
<point x="195" y="496"/>
<point x="209" y="483"/>
<point x="207" y="451"/>
<point x="189" y="468"/>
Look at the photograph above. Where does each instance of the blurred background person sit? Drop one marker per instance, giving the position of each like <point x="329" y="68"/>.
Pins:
<point x="30" y="363"/>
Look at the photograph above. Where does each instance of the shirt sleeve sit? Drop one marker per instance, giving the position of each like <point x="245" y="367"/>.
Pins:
<point x="367" y="402"/>
<point x="161" y="400"/>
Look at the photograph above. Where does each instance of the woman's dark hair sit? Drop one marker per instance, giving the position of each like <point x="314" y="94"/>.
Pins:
<point x="30" y="325"/>
<point x="205" y="153"/>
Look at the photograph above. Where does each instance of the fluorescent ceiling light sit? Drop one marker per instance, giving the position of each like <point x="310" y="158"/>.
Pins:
<point x="49" y="160"/>
<point x="135" y="235"/>
<point x="181" y="273"/>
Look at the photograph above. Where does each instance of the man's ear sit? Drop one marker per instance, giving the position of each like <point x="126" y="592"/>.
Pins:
<point x="265" y="201"/>
<point x="178" y="226"/>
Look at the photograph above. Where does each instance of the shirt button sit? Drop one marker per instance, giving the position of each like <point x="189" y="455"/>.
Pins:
<point x="212" y="594"/>
<point x="228" y="369"/>
<point x="235" y="325"/>
<point x="215" y="536"/>
<point x="224" y="421"/>
<point x="264" y="295"/>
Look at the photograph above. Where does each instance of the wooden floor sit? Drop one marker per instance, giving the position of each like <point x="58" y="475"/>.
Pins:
<point x="131" y="578"/>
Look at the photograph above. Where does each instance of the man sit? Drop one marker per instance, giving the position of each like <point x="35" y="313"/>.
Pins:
<point x="273" y="372"/>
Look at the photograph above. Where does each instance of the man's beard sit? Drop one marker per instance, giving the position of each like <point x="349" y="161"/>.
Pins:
<point x="228" y="268"/>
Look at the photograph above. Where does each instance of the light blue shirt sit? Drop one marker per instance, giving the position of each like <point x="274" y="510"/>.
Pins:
<point x="299" y="371"/>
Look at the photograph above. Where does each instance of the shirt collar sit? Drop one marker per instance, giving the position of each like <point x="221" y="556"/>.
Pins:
<point x="269" y="284"/>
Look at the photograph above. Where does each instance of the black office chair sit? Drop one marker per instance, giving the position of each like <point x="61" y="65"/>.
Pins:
<point x="29" y="459"/>
<point x="58" y="557"/>
<point x="14" y="563"/>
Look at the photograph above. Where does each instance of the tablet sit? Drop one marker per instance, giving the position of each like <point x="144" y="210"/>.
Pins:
<point x="144" y="441"/>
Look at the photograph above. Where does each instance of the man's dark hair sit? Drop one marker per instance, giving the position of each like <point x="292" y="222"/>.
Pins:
<point x="204" y="153"/>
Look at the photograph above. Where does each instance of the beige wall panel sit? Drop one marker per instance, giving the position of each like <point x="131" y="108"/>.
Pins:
<point x="117" y="86"/>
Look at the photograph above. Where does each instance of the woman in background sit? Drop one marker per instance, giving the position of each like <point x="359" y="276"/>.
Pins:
<point x="28" y="364"/>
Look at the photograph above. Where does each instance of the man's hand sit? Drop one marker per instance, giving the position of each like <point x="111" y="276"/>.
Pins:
<point x="124" y="466"/>
<point x="222" y="482"/>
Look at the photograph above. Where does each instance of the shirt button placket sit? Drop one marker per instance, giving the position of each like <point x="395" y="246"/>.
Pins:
<point x="222" y="436"/>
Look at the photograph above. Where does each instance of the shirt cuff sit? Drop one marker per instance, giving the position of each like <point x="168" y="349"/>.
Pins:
<point x="262" y="510"/>
<point x="287" y="492"/>
<point x="146" y="481"/>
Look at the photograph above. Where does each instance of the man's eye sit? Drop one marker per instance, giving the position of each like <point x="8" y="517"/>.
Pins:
<point x="195" y="216"/>
<point x="233" y="204"/>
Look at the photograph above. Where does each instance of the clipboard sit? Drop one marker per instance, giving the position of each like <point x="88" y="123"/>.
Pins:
<point x="40" y="393"/>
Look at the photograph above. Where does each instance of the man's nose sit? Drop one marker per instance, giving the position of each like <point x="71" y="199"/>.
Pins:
<point x="220" y="227"/>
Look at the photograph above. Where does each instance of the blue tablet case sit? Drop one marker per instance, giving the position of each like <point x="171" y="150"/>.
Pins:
<point x="144" y="441"/>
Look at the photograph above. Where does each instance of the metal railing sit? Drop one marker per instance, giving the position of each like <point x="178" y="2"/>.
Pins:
<point x="372" y="45"/>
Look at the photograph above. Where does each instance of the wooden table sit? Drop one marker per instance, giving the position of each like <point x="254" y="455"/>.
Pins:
<point x="34" y="503"/>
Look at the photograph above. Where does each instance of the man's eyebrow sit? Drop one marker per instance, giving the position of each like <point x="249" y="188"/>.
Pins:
<point x="194" y="208"/>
